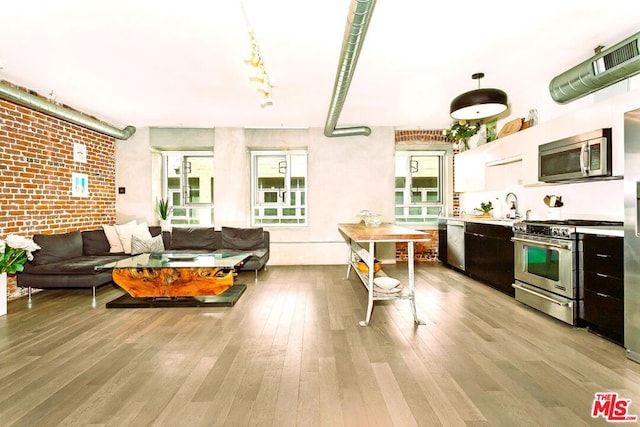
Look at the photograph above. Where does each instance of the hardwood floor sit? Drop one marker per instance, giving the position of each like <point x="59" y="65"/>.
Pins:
<point x="291" y="353"/>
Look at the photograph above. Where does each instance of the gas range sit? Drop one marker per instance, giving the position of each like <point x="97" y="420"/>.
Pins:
<point x="565" y="229"/>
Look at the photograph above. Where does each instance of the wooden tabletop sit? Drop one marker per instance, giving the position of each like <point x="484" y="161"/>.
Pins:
<point x="385" y="232"/>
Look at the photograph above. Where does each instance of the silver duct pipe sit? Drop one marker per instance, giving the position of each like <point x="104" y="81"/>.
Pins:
<point x="26" y="99"/>
<point x="357" y="24"/>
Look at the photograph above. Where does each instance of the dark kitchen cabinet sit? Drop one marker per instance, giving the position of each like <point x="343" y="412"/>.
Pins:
<point x="489" y="255"/>
<point x="601" y="267"/>
<point x="442" y="241"/>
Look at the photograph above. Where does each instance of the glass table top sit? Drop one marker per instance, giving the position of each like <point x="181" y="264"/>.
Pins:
<point x="179" y="260"/>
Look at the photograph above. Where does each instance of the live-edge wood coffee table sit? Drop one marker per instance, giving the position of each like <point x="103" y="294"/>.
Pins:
<point x="180" y="274"/>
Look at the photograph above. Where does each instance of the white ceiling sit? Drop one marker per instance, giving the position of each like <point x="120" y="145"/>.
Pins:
<point x="180" y="63"/>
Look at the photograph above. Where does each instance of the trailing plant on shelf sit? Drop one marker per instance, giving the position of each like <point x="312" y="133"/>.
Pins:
<point x="461" y="131"/>
<point x="164" y="208"/>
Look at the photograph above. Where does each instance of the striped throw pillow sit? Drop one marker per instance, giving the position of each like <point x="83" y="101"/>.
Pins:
<point x="145" y="246"/>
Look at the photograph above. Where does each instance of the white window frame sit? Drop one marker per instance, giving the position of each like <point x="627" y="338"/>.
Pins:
<point x="290" y="199"/>
<point x="428" y="211"/>
<point x="197" y="213"/>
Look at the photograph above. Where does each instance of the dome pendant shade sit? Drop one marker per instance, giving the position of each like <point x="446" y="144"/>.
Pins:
<point x="478" y="104"/>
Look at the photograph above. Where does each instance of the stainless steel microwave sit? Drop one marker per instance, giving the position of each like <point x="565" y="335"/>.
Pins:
<point x="576" y="158"/>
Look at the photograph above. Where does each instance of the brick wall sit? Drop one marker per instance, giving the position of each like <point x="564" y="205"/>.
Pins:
<point x="36" y="165"/>
<point x="423" y="251"/>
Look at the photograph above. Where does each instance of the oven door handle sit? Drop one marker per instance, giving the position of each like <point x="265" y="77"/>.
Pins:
<point x="535" y="242"/>
<point x="539" y="295"/>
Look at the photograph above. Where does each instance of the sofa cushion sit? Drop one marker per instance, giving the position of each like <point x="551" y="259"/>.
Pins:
<point x="57" y="247"/>
<point x="73" y="266"/>
<point x="193" y="238"/>
<point x="114" y="239"/>
<point x="125" y="232"/>
<point x="155" y="230"/>
<point x="242" y="238"/>
<point x="146" y="246"/>
<point x="95" y="242"/>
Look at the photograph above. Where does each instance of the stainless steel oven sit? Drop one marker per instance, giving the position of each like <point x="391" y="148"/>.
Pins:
<point x="546" y="271"/>
<point x="546" y="266"/>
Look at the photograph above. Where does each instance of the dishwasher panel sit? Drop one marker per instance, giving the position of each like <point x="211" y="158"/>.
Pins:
<point x="455" y="244"/>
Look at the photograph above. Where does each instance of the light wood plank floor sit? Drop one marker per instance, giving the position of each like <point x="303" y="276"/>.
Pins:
<point x="291" y="353"/>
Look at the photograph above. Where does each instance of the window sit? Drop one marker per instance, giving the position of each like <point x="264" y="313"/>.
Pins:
<point x="189" y="186"/>
<point x="279" y="187"/>
<point x="419" y="193"/>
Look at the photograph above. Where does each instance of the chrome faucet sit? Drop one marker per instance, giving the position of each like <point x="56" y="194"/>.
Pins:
<point x="515" y="203"/>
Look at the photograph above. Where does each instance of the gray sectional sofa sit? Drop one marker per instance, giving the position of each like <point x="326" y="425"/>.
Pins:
<point x="68" y="260"/>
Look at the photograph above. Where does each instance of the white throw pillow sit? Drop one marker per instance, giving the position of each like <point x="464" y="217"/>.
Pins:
<point x="113" y="238"/>
<point x="126" y="231"/>
<point x="144" y="246"/>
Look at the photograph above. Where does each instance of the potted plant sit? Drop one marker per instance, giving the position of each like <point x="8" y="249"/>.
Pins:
<point x="461" y="131"/>
<point x="165" y="209"/>
<point x="15" y="251"/>
<point x="486" y="208"/>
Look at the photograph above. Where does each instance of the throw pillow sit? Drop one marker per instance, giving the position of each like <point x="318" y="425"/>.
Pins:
<point x="113" y="238"/>
<point x="57" y="247"/>
<point x="242" y="238"/>
<point x="146" y="246"/>
<point x="125" y="232"/>
<point x="203" y="238"/>
<point x="94" y="242"/>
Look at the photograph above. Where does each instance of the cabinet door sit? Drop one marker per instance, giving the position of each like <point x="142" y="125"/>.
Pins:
<point x="602" y="272"/>
<point x="604" y="315"/>
<point x="603" y="255"/>
<point x="489" y="255"/>
<point x="480" y="256"/>
<point x="469" y="171"/>
<point x="504" y="277"/>
<point x="442" y="245"/>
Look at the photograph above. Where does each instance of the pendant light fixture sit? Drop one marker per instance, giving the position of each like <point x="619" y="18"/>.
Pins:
<point x="478" y="104"/>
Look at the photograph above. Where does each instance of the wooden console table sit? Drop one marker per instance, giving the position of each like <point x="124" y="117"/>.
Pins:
<point x="362" y="240"/>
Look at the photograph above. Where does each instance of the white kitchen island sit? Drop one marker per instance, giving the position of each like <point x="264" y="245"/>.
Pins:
<point x="361" y="241"/>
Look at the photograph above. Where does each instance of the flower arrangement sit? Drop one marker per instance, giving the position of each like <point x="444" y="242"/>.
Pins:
<point x="164" y="209"/>
<point x="462" y="131"/>
<point x="15" y="251"/>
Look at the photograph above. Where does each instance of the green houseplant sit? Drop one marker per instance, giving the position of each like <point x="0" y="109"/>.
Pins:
<point x="164" y="208"/>
<point x="486" y="208"/>
<point x="15" y="251"/>
<point x="461" y="131"/>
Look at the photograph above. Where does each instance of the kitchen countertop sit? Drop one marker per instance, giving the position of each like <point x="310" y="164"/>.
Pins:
<point x="482" y="220"/>
<point x="615" y="231"/>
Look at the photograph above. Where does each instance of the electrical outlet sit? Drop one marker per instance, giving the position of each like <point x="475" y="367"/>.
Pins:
<point x="121" y="190"/>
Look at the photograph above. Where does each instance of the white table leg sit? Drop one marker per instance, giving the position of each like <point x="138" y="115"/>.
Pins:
<point x="412" y="288"/>
<point x="349" y="258"/>
<point x="370" y="263"/>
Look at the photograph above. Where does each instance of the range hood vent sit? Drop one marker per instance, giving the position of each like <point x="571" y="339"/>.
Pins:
<point x="609" y="66"/>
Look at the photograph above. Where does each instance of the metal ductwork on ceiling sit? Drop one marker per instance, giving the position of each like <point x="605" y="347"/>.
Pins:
<point x="357" y="23"/>
<point x="29" y="100"/>
<point x="607" y="67"/>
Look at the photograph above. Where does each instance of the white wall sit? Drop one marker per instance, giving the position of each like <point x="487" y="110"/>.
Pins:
<point x="134" y="161"/>
<point x="345" y="175"/>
